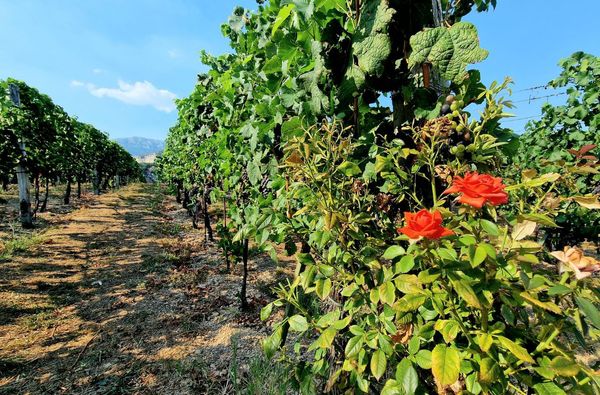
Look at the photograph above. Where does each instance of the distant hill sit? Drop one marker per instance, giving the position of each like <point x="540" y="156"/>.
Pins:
<point x="141" y="146"/>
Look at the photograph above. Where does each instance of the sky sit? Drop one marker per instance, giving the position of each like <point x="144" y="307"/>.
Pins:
<point x="120" y="64"/>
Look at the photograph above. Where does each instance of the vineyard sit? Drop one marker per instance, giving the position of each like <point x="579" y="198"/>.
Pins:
<point x="340" y="208"/>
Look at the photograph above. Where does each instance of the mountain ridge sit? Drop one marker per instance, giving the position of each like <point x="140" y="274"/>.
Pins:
<point x="141" y="146"/>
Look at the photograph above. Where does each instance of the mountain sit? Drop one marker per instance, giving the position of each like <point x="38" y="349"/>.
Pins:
<point x="141" y="146"/>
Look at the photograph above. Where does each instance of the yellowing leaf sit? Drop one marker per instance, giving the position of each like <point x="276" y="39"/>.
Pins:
<point x="464" y="290"/>
<point x="378" y="364"/>
<point x="544" y="305"/>
<point x="564" y="366"/>
<point x="517" y="350"/>
<point x="445" y="364"/>
<point x="590" y="202"/>
<point x="523" y="230"/>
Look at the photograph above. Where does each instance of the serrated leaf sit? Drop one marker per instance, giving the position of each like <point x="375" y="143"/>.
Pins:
<point x="523" y="229"/>
<point x="393" y="252"/>
<point x="353" y="346"/>
<point x="378" y="364"/>
<point x="489" y="371"/>
<point x="298" y="323"/>
<point x="548" y="389"/>
<point x="485" y="341"/>
<point x="445" y="364"/>
<point x="490" y="227"/>
<point x="589" y="202"/>
<point x="465" y="291"/>
<point x="518" y="351"/>
<point x="349" y="168"/>
<point x="449" y="50"/>
<point x="590" y="311"/>
<point x="564" y="367"/>
<point x="423" y="359"/>
<point x="478" y="255"/>
<point x="407" y="377"/>
<point x="387" y="293"/>
<point x="372" y="44"/>
<point x="406" y="264"/>
<point x="265" y="312"/>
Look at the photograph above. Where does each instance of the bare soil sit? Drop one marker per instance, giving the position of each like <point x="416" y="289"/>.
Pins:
<point x="119" y="295"/>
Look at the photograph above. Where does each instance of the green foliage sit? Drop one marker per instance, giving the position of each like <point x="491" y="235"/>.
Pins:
<point x="56" y="145"/>
<point x="449" y="50"/>
<point x="566" y="138"/>
<point x="476" y="311"/>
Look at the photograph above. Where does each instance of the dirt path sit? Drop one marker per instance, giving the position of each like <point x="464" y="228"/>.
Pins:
<point x="123" y="298"/>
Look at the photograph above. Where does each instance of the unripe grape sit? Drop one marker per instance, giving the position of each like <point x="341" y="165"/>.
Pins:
<point x="460" y="128"/>
<point x="454" y="106"/>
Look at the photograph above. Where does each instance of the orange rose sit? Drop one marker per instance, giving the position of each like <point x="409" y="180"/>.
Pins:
<point x="573" y="260"/>
<point x="424" y="224"/>
<point x="477" y="189"/>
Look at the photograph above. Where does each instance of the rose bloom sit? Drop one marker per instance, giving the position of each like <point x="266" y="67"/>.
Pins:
<point x="424" y="224"/>
<point x="477" y="189"/>
<point x="572" y="260"/>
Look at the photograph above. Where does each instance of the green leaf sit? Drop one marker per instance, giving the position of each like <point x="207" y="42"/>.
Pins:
<point x="372" y="44"/>
<point x="349" y="168"/>
<point x="538" y="218"/>
<point x="328" y="319"/>
<point x="282" y="16"/>
<point x="353" y="346"/>
<point x="559" y="289"/>
<point x="485" y="341"/>
<point x="564" y="367"/>
<point x="548" y="389"/>
<point x="387" y="293"/>
<point x="423" y="359"/>
<point x="590" y="311"/>
<point x="489" y="371"/>
<point x="393" y="252"/>
<point x="323" y="287"/>
<point x="449" y="50"/>
<point x="326" y="338"/>
<point x="477" y="255"/>
<point x="265" y="312"/>
<point x="517" y="350"/>
<point x="298" y="323"/>
<point x="407" y="377"/>
<point x="445" y="364"/>
<point x="378" y="364"/>
<point x="406" y="264"/>
<point x="464" y="290"/>
<point x="489" y="227"/>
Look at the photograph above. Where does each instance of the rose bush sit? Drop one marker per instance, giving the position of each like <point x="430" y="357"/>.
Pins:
<point x="477" y="305"/>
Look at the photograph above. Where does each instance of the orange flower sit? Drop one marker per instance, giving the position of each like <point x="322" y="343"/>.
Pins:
<point x="572" y="260"/>
<point x="477" y="189"/>
<point x="424" y="224"/>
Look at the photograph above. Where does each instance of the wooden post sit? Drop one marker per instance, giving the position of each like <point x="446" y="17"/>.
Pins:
<point x="22" y="176"/>
<point x="24" y="200"/>
<point x="96" y="182"/>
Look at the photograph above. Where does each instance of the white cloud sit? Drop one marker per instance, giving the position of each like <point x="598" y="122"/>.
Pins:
<point x="138" y="94"/>
<point x="98" y="71"/>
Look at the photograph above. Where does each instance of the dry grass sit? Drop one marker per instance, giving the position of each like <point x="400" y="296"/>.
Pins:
<point x="121" y="296"/>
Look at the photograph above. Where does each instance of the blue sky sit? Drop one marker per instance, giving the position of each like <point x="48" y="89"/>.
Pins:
<point x="118" y="64"/>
